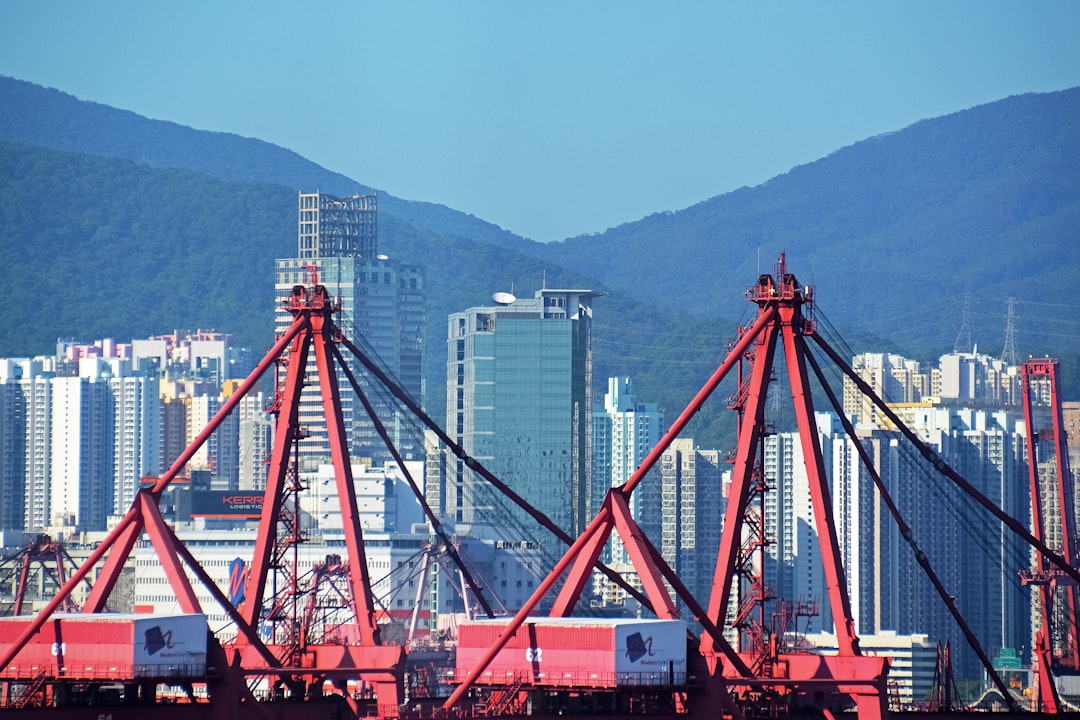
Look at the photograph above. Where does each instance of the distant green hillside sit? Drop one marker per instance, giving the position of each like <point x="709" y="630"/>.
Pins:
<point x="169" y="227"/>
<point x="107" y="248"/>
<point x="43" y="117"/>
<point x="101" y="247"/>
<point x="892" y="230"/>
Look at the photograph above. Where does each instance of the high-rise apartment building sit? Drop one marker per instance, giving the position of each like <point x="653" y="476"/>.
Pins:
<point x="692" y="508"/>
<point x="977" y="378"/>
<point x="894" y="378"/>
<point x="793" y="569"/>
<point x="975" y="559"/>
<point x="81" y="472"/>
<point x="383" y="309"/>
<point x="624" y="432"/>
<point x="36" y="389"/>
<point x="220" y="454"/>
<point x="519" y="392"/>
<point x="136" y="435"/>
<point x="986" y="447"/>
<point x="256" y="441"/>
<point x="74" y="446"/>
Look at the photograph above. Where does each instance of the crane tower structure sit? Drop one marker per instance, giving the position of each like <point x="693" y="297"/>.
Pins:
<point x="310" y="668"/>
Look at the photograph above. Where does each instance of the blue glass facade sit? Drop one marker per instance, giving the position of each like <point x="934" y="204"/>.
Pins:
<point x="519" y="387"/>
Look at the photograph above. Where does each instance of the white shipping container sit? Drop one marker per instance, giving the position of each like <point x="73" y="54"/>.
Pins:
<point x="651" y="646"/>
<point x="166" y="641"/>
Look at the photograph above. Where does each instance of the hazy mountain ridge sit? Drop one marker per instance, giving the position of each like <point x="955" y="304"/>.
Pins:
<point x="43" y="117"/>
<point x="982" y="199"/>
<point x="103" y="247"/>
<point x="892" y="230"/>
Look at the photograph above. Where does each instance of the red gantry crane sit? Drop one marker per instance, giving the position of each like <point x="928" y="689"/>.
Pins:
<point x="757" y="679"/>
<point x="313" y="668"/>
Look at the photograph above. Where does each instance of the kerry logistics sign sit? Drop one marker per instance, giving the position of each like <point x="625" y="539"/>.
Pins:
<point x="226" y="504"/>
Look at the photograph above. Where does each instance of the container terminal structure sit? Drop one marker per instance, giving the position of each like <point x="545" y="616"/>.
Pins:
<point x="312" y="647"/>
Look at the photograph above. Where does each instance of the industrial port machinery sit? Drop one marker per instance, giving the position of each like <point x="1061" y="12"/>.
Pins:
<point x="314" y="675"/>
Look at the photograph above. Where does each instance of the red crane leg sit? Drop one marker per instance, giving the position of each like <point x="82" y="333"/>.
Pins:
<point x="1046" y="697"/>
<point x="161" y="539"/>
<point x="637" y="546"/>
<point x="741" y="477"/>
<point x="1065" y="495"/>
<point x="835" y="581"/>
<point x="339" y="455"/>
<point x="230" y="403"/>
<point x="246" y="630"/>
<point x="285" y="431"/>
<point x="1038" y="524"/>
<point x="732" y="359"/>
<point x="114" y="564"/>
<point x="571" y="554"/>
<point x="65" y="592"/>
<point x="24" y="578"/>
<point x="581" y="571"/>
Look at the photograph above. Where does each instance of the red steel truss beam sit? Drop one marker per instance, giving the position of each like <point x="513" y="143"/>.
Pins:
<point x="285" y="431"/>
<point x="131" y="526"/>
<point x="1045" y="697"/>
<point x="750" y="431"/>
<point x="246" y="630"/>
<point x="695" y="405"/>
<point x="637" y="548"/>
<point x="1042" y="650"/>
<point x="161" y="539"/>
<point x="581" y="571"/>
<point x="836" y="583"/>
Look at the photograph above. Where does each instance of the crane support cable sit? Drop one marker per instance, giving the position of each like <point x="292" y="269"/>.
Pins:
<point x="475" y="465"/>
<point x="944" y="468"/>
<point x="905" y="532"/>
<point x="435" y="524"/>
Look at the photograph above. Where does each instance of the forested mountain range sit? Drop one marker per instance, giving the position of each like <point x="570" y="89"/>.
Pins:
<point x="893" y="231"/>
<point x="116" y="225"/>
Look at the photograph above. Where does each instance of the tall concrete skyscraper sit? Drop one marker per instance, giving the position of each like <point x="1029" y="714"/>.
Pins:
<point x="81" y="487"/>
<point x="519" y="390"/>
<point x="256" y="441"/>
<point x="383" y="308"/>
<point x="136" y="435"/>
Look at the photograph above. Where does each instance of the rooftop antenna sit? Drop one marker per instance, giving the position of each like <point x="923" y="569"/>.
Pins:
<point x="963" y="338"/>
<point x="1008" y="355"/>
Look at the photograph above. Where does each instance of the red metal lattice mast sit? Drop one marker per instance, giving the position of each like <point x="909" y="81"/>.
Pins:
<point x="1055" y="645"/>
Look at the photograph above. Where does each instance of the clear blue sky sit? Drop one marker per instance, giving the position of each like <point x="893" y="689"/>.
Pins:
<point x="551" y="119"/>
